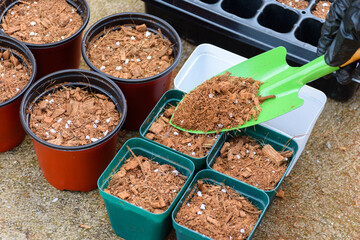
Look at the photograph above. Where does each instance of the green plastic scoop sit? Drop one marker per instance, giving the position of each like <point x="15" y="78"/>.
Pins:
<point x="278" y="79"/>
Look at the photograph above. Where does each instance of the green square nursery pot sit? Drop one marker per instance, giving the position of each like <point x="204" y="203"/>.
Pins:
<point x="171" y="97"/>
<point x="75" y="168"/>
<point x="11" y="131"/>
<point x="141" y="94"/>
<point x="60" y="55"/>
<point x="254" y="195"/>
<point x="132" y="222"/>
<point x="262" y="135"/>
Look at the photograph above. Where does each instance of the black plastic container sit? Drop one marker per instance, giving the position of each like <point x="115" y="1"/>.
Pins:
<point x="11" y="132"/>
<point x="249" y="27"/>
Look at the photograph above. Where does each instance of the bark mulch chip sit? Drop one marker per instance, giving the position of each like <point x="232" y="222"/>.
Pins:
<point x="321" y="9"/>
<point x="219" y="212"/>
<point x="41" y="21"/>
<point x="131" y="52"/>
<point x="298" y="4"/>
<point x="73" y="117"/>
<point x="14" y="76"/>
<point x="194" y="145"/>
<point x="146" y="184"/>
<point x="221" y="102"/>
<point x="246" y="160"/>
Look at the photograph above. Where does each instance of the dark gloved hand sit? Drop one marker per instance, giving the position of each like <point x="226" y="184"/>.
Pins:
<point x="340" y="38"/>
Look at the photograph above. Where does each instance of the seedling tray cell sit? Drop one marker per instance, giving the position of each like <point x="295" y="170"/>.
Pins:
<point x="246" y="27"/>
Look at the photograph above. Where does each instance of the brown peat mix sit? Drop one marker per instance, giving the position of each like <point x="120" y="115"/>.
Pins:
<point x="146" y="184"/>
<point x="14" y="75"/>
<point x="131" y="52"/>
<point x="73" y="116"/>
<point x="243" y="158"/>
<point x="41" y="21"/>
<point x="221" y="102"/>
<point x="321" y="9"/>
<point x="297" y="4"/>
<point x="218" y="212"/>
<point x="194" y="145"/>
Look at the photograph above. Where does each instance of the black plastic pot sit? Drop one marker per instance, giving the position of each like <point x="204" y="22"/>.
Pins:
<point x="11" y="132"/>
<point x="141" y="94"/>
<point x="64" y="54"/>
<point x="74" y="168"/>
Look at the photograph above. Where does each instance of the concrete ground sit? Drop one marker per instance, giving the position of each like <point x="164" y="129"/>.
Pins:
<point x="322" y="194"/>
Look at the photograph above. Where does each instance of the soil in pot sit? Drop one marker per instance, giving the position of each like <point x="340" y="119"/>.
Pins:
<point x="297" y="4"/>
<point x="248" y="161"/>
<point x="223" y="101"/>
<point x="14" y="75"/>
<point x="321" y="9"/>
<point x="41" y="21"/>
<point x="131" y="52"/>
<point x="73" y="116"/>
<point x="146" y="184"/>
<point x="194" y="145"/>
<point x="218" y="212"/>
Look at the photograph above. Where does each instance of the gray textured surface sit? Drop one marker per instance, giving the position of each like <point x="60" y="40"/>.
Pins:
<point x="322" y="198"/>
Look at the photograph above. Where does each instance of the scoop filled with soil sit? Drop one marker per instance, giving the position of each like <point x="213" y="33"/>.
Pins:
<point x="141" y="186"/>
<point x="138" y="52"/>
<point x="52" y="29"/>
<point x="216" y="207"/>
<point x="17" y="72"/>
<point x="73" y="117"/>
<point x="157" y="128"/>
<point x="257" y="156"/>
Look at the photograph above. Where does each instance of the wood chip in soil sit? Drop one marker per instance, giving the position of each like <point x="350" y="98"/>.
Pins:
<point x="221" y="102"/>
<point x="248" y="161"/>
<point x="14" y="74"/>
<point x="73" y="117"/>
<point x="131" y="52"/>
<point x="41" y="21"/>
<point x="321" y="9"/>
<point x="218" y="212"/>
<point x="146" y="184"/>
<point x="194" y="145"/>
<point x="297" y="4"/>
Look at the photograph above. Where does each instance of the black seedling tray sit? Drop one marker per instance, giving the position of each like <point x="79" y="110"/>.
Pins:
<point x="246" y="27"/>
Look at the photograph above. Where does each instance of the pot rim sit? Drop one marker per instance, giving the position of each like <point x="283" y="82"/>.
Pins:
<point x="105" y="21"/>
<point x="30" y="57"/>
<point x="61" y="74"/>
<point x="57" y="43"/>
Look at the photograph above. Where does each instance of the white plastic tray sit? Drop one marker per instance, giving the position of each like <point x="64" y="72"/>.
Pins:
<point x="208" y="60"/>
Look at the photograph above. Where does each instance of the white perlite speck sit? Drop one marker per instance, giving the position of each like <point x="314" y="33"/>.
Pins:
<point x="59" y="120"/>
<point x="176" y="133"/>
<point x="193" y="153"/>
<point x="138" y="60"/>
<point x="211" y="96"/>
<point x="148" y="57"/>
<point x="94" y="126"/>
<point x="55" y="200"/>
<point x="199" y="212"/>
<point x="223" y="190"/>
<point x="176" y="172"/>
<point x="117" y="43"/>
<point x="230" y="115"/>
<point x="156" y="170"/>
<point x="242" y="230"/>
<point x="189" y="144"/>
<point x="32" y="34"/>
<point x="106" y="132"/>
<point x="32" y="23"/>
<point x="132" y="38"/>
<point x="52" y="130"/>
<point x="202" y="206"/>
<point x="118" y="68"/>
<point x="127" y="61"/>
<point x="238" y="156"/>
<point x="108" y="120"/>
<point x="199" y="193"/>
<point x="17" y="89"/>
<point x="93" y="139"/>
<point x="147" y="33"/>
<point x="96" y="121"/>
<point x="87" y="137"/>
<point x="102" y="68"/>
<point x="69" y="122"/>
<point x="324" y="4"/>
<point x="188" y="204"/>
<point x="66" y="126"/>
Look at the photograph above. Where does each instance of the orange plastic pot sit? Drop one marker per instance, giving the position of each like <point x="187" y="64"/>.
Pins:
<point x="11" y="131"/>
<point x="141" y="94"/>
<point x="74" y="168"/>
<point x="64" y="54"/>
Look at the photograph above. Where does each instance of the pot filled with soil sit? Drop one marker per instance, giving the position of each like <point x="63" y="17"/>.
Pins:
<point x="140" y="188"/>
<point x="17" y="72"/>
<point x="157" y="129"/>
<point x="215" y="206"/>
<point x="137" y="51"/>
<point x="52" y="29"/>
<point x="73" y="117"/>
<point x="257" y="156"/>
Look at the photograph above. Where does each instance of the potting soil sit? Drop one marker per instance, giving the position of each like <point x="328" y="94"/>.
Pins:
<point x="13" y="75"/>
<point x="321" y="9"/>
<point x="246" y="160"/>
<point x="297" y="4"/>
<point x="194" y="145"/>
<point x="146" y="184"/>
<point x="73" y="117"/>
<point x="41" y="21"/>
<point x="221" y="102"/>
<point x="218" y="212"/>
<point x="131" y="52"/>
